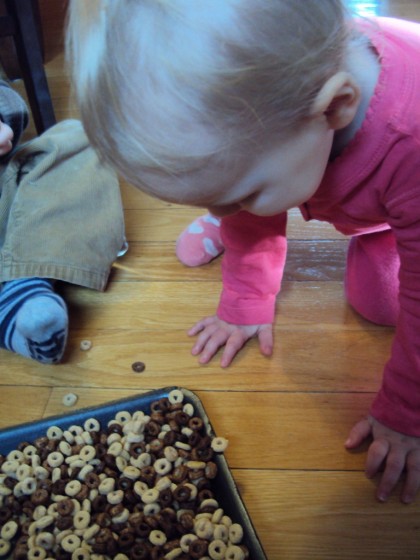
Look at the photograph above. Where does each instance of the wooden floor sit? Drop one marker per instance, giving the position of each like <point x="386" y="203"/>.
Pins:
<point x="286" y="417"/>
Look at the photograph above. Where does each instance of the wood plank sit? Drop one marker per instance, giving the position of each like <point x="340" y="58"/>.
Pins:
<point x="301" y="303"/>
<point x="166" y="223"/>
<point x="19" y="404"/>
<point x="124" y="327"/>
<point x="168" y="220"/>
<point x="142" y="225"/>
<point x="327" y="362"/>
<point x="307" y="260"/>
<point x="303" y="515"/>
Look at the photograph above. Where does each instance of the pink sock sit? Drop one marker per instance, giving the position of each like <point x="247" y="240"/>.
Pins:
<point x="200" y="242"/>
<point x="372" y="277"/>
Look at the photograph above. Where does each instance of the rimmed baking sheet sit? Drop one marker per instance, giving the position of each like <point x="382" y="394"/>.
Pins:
<point x="224" y="487"/>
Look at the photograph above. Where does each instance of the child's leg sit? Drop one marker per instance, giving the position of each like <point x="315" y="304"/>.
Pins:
<point x="371" y="281"/>
<point x="33" y="320"/>
<point x="200" y="242"/>
<point x="56" y="183"/>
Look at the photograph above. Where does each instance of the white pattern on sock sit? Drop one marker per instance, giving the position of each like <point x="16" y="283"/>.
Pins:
<point x="210" y="247"/>
<point x="211" y="220"/>
<point x="195" y="228"/>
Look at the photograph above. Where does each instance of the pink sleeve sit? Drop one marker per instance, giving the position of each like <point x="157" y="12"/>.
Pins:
<point x="252" y="267"/>
<point x="397" y="405"/>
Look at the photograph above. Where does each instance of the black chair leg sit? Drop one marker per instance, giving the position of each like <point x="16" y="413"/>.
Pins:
<point x="29" y="52"/>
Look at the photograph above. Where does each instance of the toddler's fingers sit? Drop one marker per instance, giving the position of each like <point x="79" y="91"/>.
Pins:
<point x="195" y="330"/>
<point x="201" y="342"/>
<point x="213" y="344"/>
<point x="412" y="483"/>
<point x="358" y="433"/>
<point x="200" y="325"/>
<point x="202" y="339"/>
<point x="377" y="453"/>
<point x="265" y="339"/>
<point x="394" y="467"/>
<point x="233" y="345"/>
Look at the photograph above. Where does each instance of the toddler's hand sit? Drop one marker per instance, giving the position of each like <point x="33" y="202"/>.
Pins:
<point x="394" y="452"/>
<point x="214" y="333"/>
<point x="6" y="137"/>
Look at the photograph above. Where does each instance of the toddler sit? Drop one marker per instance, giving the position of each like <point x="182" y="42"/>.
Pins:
<point x="249" y="108"/>
<point x="50" y="229"/>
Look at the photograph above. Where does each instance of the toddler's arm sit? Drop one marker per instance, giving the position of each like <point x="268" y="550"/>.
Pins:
<point x="397" y="404"/>
<point x="394" y="421"/>
<point x="252" y="268"/>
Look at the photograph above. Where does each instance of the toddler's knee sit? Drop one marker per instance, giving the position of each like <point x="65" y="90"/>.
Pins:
<point x="371" y="282"/>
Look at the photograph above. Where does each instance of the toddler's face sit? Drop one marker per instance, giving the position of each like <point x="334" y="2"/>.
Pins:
<point x="285" y="175"/>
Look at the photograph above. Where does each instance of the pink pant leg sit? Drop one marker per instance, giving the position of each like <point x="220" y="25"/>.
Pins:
<point x="371" y="281"/>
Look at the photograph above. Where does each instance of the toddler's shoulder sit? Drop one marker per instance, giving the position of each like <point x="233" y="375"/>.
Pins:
<point x="392" y="35"/>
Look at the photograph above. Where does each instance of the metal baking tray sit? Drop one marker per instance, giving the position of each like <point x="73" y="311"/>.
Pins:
<point x="224" y="486"/>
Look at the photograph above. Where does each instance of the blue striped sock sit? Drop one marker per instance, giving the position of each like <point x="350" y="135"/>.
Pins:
<point x="33" y="319"/>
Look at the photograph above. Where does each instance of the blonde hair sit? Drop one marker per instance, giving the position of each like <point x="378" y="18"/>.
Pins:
<point x="151" y="75"/>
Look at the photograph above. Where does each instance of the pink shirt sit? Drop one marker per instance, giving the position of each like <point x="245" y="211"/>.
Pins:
<point x="373" y="185"/>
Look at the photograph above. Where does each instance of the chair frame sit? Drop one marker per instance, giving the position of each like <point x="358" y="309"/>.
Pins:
<point x="21" y="22"/>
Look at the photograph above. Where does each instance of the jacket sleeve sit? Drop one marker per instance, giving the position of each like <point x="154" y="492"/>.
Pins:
<point x="252" y="267"/>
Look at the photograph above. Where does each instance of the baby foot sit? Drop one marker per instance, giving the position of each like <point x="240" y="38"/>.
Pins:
<point x="33" y="320"/>
<point x="200" y="242"/>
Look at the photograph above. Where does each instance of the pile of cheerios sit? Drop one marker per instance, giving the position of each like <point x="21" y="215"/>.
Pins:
<point x="139" y="488"/>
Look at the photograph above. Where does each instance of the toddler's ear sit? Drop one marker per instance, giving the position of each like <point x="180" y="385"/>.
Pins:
<point x="338" y="100"/>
